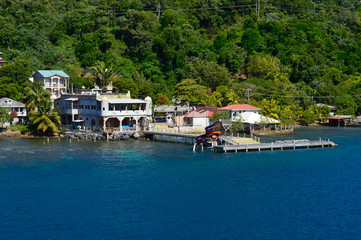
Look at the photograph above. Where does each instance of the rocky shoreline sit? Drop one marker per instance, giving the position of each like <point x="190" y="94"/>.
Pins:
<point x="79" y="135"/>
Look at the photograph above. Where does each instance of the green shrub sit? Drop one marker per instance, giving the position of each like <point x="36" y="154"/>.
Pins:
<point x="23" y="128"/>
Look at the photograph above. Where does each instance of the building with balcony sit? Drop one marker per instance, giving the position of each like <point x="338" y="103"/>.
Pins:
<point x="107" y="112"/>
<point x="55" y="81"/>
<point x="14" y="106"/>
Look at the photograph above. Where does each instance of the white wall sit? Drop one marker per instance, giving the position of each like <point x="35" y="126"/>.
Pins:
<point x="201" y="122"/>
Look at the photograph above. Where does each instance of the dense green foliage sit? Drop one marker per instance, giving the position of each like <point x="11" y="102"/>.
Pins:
<point x="208" y="52"/>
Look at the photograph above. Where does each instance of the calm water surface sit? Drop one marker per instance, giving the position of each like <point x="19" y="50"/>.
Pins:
<point x="152" y="190"/>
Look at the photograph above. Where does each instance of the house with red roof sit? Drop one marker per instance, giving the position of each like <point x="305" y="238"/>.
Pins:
<point x="237" y="109"/>
<point x="253" y="121"/>
<point x="199" y="117"/>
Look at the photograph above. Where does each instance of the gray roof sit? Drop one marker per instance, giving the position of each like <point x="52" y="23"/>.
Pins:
<point x="7" y="102"/>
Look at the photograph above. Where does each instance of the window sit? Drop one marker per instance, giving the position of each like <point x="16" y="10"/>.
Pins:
<point x="87" y="107"/>
<point x="94" y="107"/>
<point x="81" y="106"/>
<point x="93" y="122"/>
<point x="86" y="118"/>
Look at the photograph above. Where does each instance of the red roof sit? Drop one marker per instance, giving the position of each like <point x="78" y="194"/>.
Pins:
<point x="339" y="117"/>
<point x="3" y="61"/>
<point x="238" y="107"/>
<point x="201" y="114"/>
<point x="211" y="109"/>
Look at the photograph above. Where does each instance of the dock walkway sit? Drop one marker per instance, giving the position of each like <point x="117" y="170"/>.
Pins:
<point x="279" y="145"/>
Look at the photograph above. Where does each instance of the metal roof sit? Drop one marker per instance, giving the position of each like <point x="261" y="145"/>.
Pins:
<point x="49" y="73"/>
<point x="238" y="107"/>
<point x="256" y="118"/>
<point x="200" y="114"/>
<point x="72" y="99"/>
<point x="8" y="102"/>
<point x="340" y="117"/>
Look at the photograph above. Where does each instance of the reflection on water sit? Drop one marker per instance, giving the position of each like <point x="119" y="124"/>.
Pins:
<point x="151" y="190"/>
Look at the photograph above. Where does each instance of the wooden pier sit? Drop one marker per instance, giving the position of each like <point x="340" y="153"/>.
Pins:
<point x="232" y="146"/>
<point x="279" y="145"/>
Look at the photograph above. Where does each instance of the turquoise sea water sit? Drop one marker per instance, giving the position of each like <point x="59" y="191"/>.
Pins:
<point x="151" y="190"/>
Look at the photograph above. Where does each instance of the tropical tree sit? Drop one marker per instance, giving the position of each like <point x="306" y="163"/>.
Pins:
<point x="188" y="90"/>
<point x="35" y="95"/>
<point x="4" y="116"/>
<point x="101" y="74"/>
<point x="45" y="119"/>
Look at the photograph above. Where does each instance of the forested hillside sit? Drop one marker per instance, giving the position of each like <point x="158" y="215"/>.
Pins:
<point x="282" y="55"/>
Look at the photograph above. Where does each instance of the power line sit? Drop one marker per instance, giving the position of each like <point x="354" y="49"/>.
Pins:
<point x="288" y="96"/>
<point x="191" y="9"/>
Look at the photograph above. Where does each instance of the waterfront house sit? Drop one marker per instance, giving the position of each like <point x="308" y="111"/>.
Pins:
<point x="55" y="81"/>
<point x="235" y="110"/>
<point x="340" y="120"/>
<point x="254" y="122"/>
<point x="14" y="106"/>
<point x="104" y="111"/>
<point x="199" y="117"/>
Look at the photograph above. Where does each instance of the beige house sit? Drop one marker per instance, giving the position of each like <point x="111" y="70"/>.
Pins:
<point x="55" y="81"/>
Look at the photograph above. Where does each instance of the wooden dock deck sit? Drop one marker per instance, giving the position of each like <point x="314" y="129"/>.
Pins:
<point x="280" y="145"/>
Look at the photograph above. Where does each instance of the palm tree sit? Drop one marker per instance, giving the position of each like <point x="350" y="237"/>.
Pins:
<point x="35" y="94"/>
<point x="45" y="119"/>
<point x="101" y="75"/>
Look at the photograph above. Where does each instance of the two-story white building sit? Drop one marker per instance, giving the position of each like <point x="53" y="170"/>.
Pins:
<point x="14" y="106"/>
<point x="109" y="112"/>
<point x="55" y="81"/>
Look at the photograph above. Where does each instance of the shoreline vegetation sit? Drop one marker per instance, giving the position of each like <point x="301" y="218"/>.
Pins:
<point x="295" y="60"/>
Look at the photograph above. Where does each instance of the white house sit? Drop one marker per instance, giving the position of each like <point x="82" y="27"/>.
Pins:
<point x="250" y="117"/>
<point x="108" y="112"/>
<point x="55" y="81"/>
<point x="236" y="110"/>
<point x="18" y="107"/>
<point x="199" y="117"/>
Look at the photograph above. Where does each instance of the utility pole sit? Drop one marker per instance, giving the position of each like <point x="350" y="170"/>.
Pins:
<point x="248" y="91"/>
<point x="158" y="10"/>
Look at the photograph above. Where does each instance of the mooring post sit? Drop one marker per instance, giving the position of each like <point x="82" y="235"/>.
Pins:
<point x="246" y="147"/>
<point x="202" y="146"/>
<point x="194" y="147"/>
<point x="48" y="140"/>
